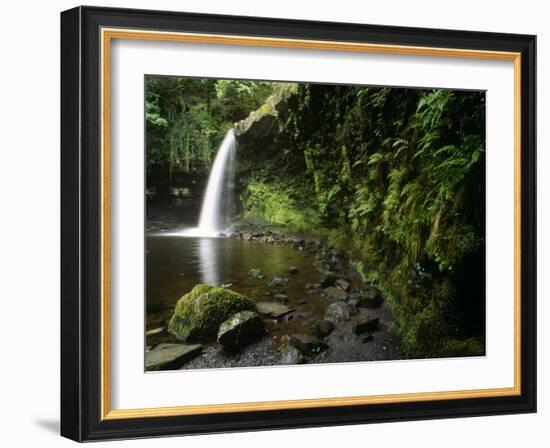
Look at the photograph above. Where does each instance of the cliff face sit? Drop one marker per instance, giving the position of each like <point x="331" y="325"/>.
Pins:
<point x="393" y="176"/>
<point x="263" y="133"/>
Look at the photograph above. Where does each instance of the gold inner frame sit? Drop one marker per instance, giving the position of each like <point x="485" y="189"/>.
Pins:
<point x="107" y="35"/>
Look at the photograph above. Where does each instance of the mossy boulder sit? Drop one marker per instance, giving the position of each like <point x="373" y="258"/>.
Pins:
<point x="199" y="313"/>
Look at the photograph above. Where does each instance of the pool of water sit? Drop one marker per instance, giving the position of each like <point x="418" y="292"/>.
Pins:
<point x="176" y="264"/>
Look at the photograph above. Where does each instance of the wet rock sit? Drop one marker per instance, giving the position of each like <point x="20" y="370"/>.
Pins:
<point x="256" y="273"/>
<point x="278" y="282"/>
<point x="298" y="244"/>
<point x="256" y="134"/>
<point x="273" y="309"/>
<point x="370" y="297"/>
<point x="290" y="356"/>
<point x="342" y="284"/>
<point x="199" y="313"/>
<point x="285" y="340"/>
<point x="302" y="302"/>
<point x="337" y="312"/>
<point x="368" y="338"/>
<point x="307" y="344"/>
<point x="283" y="298"/>
<point x="328" y="279"/>
<point x="335" y="293"/>
<point x="240" y="329"/>
<point x="292" y="270"/>
<point x="313" y="286"/>
<point x="321" y="329"/>
<point x="170" y="356"/>
<point x="337" y="265"/>
<point x="304" y="315"/>
<point x="367" y="325"/>
<point x="154" y="331"/>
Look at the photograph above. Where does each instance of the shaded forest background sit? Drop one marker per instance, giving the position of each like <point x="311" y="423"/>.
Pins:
<point x="394" y="176"/>
<point x="187" y="118"/>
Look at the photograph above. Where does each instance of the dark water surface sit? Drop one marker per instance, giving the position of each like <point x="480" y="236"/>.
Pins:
<point x="176" y="264"/>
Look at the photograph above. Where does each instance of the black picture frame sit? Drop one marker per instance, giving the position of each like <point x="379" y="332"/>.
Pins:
<point x="81" y="224"/>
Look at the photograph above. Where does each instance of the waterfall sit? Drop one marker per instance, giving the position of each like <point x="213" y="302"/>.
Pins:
<point x="214" y="216"/>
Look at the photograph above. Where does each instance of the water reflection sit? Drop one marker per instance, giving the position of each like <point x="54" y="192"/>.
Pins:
<point x="208" y="258"/>
<point x="175" y="265"/>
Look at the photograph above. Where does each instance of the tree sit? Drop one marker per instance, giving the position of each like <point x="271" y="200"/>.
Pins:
<point x="186" y="118"/>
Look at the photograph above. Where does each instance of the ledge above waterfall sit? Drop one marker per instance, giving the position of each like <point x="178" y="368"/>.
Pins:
<point x="262" y="131"/>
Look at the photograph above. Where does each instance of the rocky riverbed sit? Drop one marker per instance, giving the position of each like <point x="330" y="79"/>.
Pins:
<point x="308" y="305"/>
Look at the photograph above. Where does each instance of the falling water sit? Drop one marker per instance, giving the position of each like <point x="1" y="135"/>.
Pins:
<point x="214" y="212"/>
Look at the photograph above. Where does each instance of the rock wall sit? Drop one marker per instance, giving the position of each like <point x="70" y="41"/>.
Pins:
<point x="393" y="176"/>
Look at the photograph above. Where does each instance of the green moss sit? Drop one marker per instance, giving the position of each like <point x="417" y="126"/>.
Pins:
<point x="396" y="178"/>
<point x="201" y="288"/>
<point x="465" y="347"/>
<point x="271" y="107"/>
<point x="199" y="313"/>
<point x="275" y="205"/>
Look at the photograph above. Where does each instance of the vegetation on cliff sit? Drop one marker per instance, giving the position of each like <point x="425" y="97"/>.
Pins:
<point x="396" y="177"/>
<point x="393" y="176"/>
<point x="186" y="118"/>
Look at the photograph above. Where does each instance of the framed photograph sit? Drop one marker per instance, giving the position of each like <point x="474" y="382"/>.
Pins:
<point x="275" y="224"/>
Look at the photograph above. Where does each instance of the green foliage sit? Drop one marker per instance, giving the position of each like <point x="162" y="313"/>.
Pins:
<point x="277" y="206"/>
<point x="187" y="118"/>
<point x="239" y="98"/>
<point x="396" y="176"/>
<point x="474" y="346"/>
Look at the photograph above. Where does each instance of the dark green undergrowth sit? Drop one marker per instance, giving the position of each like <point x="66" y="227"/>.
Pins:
<point x="395" y="177"/>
